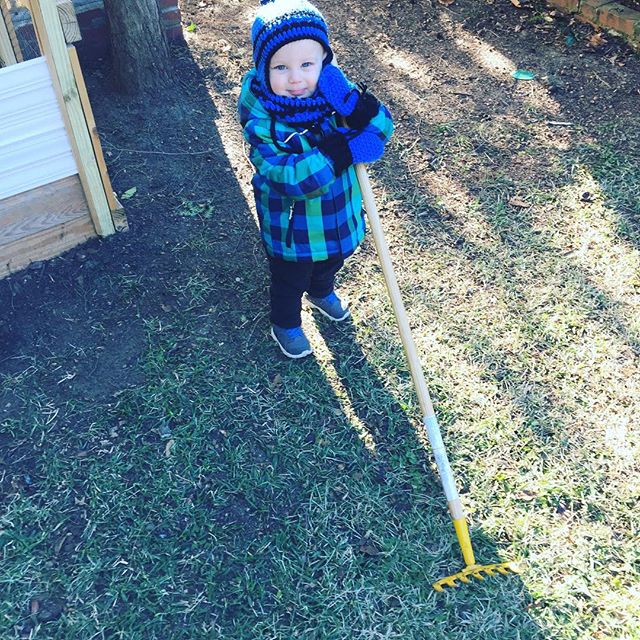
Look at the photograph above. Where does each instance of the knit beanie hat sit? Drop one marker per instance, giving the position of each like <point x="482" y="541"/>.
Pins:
<point x="279" y="22"/>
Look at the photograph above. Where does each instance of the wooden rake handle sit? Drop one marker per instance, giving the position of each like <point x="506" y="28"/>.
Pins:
<point x="429" y="418"/>
<point x="394" y="292"/>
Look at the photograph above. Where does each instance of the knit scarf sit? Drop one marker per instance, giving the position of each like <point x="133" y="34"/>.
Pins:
<point x="296" y="111"/>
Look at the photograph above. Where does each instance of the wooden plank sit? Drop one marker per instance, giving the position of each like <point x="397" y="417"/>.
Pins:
<point x="45" y="244"/>
<point x="93" y="130"/>
<point x="7" y="54"/>
<point x="68" y="21"/>
<point x="47" y="24"/>
<point x="39" y="209"/>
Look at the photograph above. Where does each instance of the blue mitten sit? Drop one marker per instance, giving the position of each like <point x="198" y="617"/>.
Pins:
<point x="346" y="146"/>
<point x="365" y="147"/>
<point x="341" y="94"/>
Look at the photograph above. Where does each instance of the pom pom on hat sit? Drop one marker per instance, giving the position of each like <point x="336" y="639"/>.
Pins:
<point x="279" y="22"/>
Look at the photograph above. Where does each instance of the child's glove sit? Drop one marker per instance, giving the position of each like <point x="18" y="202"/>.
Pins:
<point x="365" y="146"/>
<point x="345" y="98"/>
<point x="347" y="147"/>
<point x="341" y="94"/>
<point x="366" y="108"/>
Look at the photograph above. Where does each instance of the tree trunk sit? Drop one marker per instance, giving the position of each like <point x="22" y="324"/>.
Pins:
<point x="139" y="49"/>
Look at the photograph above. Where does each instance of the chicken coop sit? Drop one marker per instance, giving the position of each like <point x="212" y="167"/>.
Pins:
<point x="55" y="191"/>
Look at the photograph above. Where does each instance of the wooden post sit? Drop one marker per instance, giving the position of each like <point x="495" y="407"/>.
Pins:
<point x="91" y="125"/>
<point x="8" y="52"/>
<point x="68" y="20"/>
<point x="47" y="24"/>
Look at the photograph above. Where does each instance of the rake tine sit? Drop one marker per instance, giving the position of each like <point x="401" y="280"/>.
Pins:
<point x="449" y="581"/>
<point x="511" y="567"/>
<point x="479" y="572"/>
<point x="507" y="568"/>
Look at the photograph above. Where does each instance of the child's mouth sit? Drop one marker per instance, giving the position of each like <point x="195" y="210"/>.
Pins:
<point x="296" y="93"/>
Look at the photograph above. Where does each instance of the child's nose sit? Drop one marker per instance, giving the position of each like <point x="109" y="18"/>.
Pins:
<point x="295" y="76"/>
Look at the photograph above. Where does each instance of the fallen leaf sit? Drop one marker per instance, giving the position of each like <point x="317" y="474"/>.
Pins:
<point x="516" y="3"/>
<point x="58" y="546"/>
<point x="168" y="448"/>
<point x="518" y="202"/>
<point x="276" y="383"/>
<point x="369" y="550"/>
<point x="164" y="430"/>
<point x="129" y="193"/>
<point x="446" y="3"/>
<point x="596" y="40"/>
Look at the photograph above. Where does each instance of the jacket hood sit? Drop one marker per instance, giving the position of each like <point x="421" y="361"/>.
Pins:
<point x="249" y="105"/>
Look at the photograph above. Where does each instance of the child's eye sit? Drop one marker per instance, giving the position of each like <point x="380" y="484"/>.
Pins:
<point x="307" y="64"/>
<point x="279" y="67"/>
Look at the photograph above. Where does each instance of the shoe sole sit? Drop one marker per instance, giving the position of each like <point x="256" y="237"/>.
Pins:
<point x="304" y="354"/>
<point x="347" y="313"/>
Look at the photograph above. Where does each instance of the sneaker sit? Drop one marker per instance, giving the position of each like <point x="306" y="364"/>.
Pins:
<point x="330" y="306"/>
<point x="292" y="342"/>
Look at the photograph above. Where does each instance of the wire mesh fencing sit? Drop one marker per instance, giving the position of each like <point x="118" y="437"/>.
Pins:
<point x="19" y="33"/>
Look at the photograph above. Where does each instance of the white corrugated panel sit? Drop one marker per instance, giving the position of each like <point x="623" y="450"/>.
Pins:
<point x="34" y="145"/>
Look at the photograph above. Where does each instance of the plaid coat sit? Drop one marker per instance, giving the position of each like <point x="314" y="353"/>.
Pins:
<point x="306" y="213"/>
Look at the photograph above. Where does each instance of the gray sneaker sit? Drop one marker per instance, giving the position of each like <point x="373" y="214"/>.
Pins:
<point x="330" y="306"/>
<point x="292" y="342"/>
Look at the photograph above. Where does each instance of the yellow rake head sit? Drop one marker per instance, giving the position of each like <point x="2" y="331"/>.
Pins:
<point x="478" y="571"/>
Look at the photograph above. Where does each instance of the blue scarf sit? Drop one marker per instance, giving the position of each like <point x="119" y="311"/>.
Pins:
<point x="296" y="111"/>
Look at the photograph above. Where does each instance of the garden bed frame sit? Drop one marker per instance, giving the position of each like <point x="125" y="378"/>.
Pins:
<point x="43" y="221"/>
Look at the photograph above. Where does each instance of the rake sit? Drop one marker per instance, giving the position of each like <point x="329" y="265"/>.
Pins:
<point x="471" y="569"/>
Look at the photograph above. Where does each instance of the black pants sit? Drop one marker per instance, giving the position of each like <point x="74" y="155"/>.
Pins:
<point x="289" y="281"/>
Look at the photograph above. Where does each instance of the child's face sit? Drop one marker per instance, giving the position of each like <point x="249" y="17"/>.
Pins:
<point x="294" y="69"/>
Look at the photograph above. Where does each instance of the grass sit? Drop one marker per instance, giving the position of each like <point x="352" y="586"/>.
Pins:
<point x="280" y="500"/>
<point x="220" y="491"/>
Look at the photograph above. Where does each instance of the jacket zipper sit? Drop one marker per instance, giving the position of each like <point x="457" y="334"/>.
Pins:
<point x="289" y="236"/>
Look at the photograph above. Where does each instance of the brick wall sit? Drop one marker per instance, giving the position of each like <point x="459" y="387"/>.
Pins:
<point x="607" y="14"/>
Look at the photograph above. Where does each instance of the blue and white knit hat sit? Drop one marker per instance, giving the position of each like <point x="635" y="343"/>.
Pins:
<point x="279" y="22"/>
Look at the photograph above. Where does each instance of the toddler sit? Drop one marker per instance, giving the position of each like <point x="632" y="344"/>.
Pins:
<point x="306" y="125"/>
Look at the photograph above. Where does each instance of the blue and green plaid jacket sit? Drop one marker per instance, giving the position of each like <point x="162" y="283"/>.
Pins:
<point x="306" y="212"/>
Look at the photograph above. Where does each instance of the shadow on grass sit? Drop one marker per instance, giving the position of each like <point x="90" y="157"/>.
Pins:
<point x="402" y="452"/>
